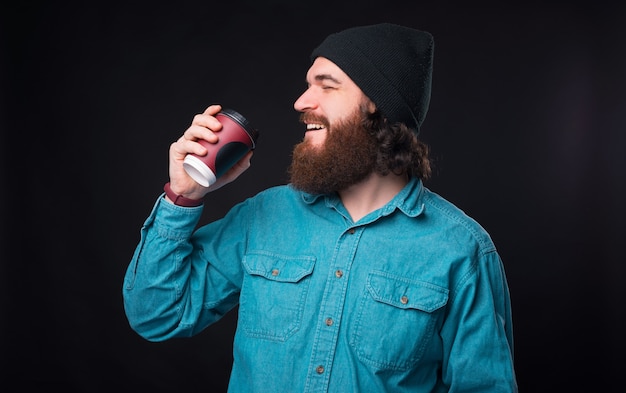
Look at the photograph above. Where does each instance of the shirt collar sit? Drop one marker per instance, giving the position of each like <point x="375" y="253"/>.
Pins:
<point x="408" y="200"/>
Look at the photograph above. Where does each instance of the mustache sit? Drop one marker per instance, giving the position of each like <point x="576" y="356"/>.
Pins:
<point x="311" y="118"/>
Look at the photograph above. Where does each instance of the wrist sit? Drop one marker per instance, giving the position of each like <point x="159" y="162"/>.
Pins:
<point x="180" y="200"/>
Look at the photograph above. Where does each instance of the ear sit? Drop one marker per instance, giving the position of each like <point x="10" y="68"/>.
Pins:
<point x="371" y="107"/>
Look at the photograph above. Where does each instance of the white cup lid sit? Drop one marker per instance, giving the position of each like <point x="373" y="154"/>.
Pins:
<point x="198" y="171"/>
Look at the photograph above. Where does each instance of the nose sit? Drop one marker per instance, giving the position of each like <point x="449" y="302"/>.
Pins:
<point x="305" y="102"/>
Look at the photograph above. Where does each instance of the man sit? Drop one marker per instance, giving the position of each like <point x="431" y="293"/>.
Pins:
<point x="353" y="278"/>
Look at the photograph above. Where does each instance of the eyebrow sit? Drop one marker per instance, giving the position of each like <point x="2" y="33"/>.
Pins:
<point x="324" y="77"/>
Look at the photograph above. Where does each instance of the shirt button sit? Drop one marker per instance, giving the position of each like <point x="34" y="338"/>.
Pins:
<point x="338" y="274"/>
<point x="275" y="272"/>
<point x="319" y="369"/>
<point x="404" y="300"/>
<point x="329" y="321"/>
<point x="351" y="231"/>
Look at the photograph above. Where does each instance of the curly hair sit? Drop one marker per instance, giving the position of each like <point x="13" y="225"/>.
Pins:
<point x="400" y="150"/>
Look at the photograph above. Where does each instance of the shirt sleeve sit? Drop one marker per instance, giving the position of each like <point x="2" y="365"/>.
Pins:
<point x="173" y="287"/>
<point x="477" y="333"/>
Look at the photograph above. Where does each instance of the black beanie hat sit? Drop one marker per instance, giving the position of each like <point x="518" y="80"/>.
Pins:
<point x="391" y="64"/>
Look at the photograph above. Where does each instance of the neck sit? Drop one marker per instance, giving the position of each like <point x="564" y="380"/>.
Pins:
<point x="371" y="194"/>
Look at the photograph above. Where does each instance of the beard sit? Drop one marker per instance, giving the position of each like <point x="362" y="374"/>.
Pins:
<point x="346" y="157"/>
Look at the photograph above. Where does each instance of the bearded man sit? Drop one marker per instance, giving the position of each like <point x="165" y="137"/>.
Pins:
<point x="354" y="277"/>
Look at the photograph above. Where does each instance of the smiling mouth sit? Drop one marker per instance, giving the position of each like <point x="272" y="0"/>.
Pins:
<point x="314" y="127"/>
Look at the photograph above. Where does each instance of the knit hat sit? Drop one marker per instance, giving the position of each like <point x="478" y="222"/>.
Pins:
<point x="391" y="64"/>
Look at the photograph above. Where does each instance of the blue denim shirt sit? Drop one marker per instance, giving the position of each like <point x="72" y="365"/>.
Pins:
<point x="411" y="298"/>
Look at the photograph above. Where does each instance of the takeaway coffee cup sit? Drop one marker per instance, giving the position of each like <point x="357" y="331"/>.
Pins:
<point x="237" y="138"/>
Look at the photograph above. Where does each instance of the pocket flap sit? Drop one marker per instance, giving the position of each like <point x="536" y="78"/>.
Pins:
<point x="404" y="293"/>
<point x="278" y="267"/>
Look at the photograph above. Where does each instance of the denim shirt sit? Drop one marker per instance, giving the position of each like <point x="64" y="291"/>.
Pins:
<point x="411" y="298"/>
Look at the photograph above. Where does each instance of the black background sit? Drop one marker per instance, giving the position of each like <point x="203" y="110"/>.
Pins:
<point x="526" y="126"/>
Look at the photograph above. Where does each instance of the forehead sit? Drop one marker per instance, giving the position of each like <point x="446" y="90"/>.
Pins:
<point x="322" y="68"/>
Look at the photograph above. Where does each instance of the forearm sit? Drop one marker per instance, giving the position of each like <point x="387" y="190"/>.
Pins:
<point x="156" y="281"/>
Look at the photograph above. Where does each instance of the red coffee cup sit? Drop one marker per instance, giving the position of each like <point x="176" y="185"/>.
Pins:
<point x="237" y="138"/>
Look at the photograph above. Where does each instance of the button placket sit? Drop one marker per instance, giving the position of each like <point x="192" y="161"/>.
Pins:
<point x="330" y="314"/>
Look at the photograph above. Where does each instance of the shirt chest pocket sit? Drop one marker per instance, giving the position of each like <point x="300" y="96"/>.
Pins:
<point x="396" y="320"/>
<point x="273" y="294"/>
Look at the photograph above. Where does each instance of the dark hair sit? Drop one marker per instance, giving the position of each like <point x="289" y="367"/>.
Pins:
<point x="399" y="149"/>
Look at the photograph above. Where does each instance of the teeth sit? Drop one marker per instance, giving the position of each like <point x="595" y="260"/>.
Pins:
<point x="314" y="127"/>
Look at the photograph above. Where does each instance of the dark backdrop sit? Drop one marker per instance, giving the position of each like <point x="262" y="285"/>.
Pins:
<point x="526" y="127"/>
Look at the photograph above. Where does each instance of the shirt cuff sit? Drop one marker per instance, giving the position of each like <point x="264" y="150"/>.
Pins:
<point x="173" y="221"/>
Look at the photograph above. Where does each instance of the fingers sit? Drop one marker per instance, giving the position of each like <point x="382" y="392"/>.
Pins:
<point x="212" y="110"/>
<point x="204" y="126"/>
